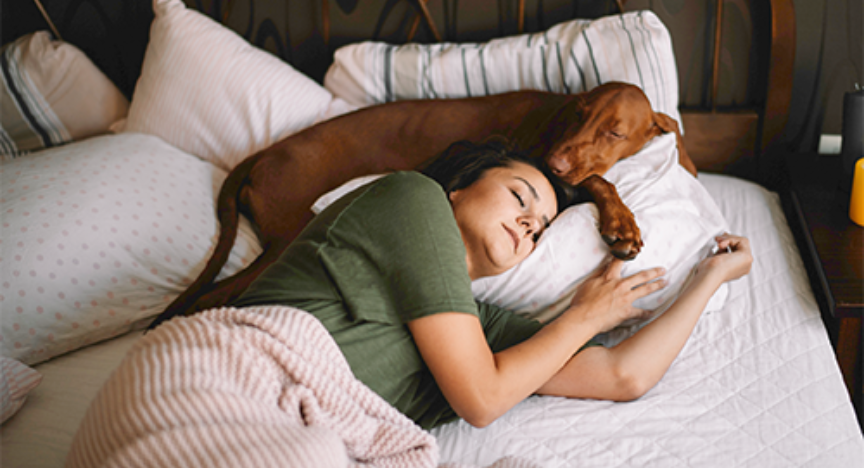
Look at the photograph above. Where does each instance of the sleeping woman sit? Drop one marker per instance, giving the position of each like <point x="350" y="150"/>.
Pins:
<point x="388" y="268"/>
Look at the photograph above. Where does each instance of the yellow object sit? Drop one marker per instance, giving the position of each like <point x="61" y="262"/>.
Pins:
<point x="856" y="204"/>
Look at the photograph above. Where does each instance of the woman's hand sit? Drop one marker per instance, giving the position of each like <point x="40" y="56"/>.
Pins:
<point x="606" y="299"/>
<point x="732" y="260"/>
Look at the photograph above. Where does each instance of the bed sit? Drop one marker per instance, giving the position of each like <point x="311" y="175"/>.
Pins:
<point x="108" y="208"/>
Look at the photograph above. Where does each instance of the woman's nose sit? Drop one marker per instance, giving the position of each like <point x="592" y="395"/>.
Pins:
<point x="530" y="224"/>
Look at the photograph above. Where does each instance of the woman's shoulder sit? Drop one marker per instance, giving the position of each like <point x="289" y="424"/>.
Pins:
<point x="400" y="198"/>
<point x="407" y="187"/>
<point x="411" y="180"/>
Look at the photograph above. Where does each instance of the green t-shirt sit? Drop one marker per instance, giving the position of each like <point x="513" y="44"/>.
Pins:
<point x="387" y="253"/>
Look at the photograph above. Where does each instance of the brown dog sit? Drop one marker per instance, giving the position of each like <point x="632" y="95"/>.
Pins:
<point x="580" y="136"/>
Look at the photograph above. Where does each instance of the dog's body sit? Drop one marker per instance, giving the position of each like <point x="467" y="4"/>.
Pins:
<point x="580" y="136"/>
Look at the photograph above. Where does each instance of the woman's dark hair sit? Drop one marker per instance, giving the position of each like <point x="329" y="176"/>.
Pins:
<point x="464" y="162"/>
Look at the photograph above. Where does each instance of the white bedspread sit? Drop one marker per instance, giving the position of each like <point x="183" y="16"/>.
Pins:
<point x="757" y="385"/>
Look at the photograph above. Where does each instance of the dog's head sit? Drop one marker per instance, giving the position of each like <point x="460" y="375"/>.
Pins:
<point x="599" y="128"/>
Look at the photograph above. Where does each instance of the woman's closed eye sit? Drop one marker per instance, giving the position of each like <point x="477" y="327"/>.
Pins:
<point x="535" y="237"/>
<point x="518" y="197"/>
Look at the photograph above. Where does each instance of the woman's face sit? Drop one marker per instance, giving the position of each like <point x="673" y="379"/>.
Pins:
<point x="501" y="216"/>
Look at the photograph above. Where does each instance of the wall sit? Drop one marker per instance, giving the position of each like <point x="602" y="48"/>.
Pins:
<point x="829" y="61"/>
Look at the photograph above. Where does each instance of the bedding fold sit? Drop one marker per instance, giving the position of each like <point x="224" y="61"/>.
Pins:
<point x="259" y="386"/>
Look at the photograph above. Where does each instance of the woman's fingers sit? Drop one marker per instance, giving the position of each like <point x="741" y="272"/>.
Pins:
<point x="733" y="258"/>
<point x="608" y="297"/>
<point x="645" y="278"/>
<point x="732" y="242"/>
<point x="640" y="284"/>
<point x="611" y="270"/>
<point x="644" y="289"/>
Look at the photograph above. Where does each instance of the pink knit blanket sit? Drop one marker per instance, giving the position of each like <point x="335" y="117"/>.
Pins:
<point x="258" y="387"/>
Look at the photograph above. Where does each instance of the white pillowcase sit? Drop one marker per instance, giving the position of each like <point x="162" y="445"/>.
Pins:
<point x="207" y="91"/>
<point x="99" y="236"/>
<point x="570" y="57"/>
<point x="676" y="215"/>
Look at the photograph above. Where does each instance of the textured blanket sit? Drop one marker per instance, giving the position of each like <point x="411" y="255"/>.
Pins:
<point x="263" y="386"/>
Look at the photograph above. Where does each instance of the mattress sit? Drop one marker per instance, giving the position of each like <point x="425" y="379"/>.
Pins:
<point x="756" y="385"/>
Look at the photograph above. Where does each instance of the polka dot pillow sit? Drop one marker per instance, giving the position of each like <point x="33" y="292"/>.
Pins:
<point x="676" y="215"/>
<point x="99" y="236"/>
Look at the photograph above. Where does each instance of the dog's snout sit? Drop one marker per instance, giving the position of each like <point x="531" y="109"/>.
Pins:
<point x="559" y="166"/>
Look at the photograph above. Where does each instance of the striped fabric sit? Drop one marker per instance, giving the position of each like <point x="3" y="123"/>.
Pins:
<point x="570" y="57"/>
<point x="16" y="381"/>
<point x="27" y="122"/>
<point x="257" y="387"/>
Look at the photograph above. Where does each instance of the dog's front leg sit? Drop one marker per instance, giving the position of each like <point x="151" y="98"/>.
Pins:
<point x="617" y="223"/>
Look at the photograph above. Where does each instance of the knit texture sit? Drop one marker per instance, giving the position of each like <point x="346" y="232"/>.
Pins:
<point x="259" y="386"/>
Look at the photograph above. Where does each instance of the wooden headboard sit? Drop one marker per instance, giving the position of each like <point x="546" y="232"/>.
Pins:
<point x="721" y="140"/>
<point x="735" y="57"/>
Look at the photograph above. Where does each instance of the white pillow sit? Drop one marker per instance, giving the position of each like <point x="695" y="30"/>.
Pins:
<point x="16" y="382"/>
<point x="52" y="94"/>
<point x="676" y="215"/>
<point x="207" y="91"/>
<point x="98" y="236"/>
<point x="570" y="57"/>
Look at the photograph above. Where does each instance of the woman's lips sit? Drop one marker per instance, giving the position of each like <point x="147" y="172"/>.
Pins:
<point x="514" y="237"/>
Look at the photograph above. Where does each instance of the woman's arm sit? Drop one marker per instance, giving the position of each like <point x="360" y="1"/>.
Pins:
<point x="627" y="371"/>
<point x="481" y="386"/>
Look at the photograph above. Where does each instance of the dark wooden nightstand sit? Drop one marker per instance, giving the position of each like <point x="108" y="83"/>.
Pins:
<point x="832" y="247"/>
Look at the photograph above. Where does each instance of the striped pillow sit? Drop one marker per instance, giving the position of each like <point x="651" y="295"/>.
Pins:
<point x="570" y="57"/>
<point x="16" y="381"/>
<point x="51" y="94"/>
<point x="27" y="122"/>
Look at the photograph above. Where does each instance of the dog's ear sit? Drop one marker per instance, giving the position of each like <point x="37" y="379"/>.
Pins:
<point x="543" y="133"/>
<point x="665" y="124"/>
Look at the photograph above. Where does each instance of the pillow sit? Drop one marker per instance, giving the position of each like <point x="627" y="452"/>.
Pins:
<point x="207" y="91"/>
<point x="51" y="94"/>
<point x="570" y="57"/>
<point x="16" y="381"/>
<point x="676" y="215"/>
<point x="98" y="236"/>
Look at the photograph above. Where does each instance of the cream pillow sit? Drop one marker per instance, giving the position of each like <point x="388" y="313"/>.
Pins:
<point x="207" y="91"/>
<point x="570" y="57"/>
<point x="99" y="236"/>
<point x="51" y="94"/>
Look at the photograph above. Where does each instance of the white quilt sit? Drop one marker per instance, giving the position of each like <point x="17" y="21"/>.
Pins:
<point x="756" y="386"/>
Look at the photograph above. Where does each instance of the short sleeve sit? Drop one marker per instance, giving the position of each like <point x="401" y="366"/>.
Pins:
<point x="504" y="328"/>
<point x="396" y="254"/>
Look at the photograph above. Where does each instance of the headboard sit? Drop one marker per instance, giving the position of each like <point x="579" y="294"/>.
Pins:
<point x="734" y="57"/>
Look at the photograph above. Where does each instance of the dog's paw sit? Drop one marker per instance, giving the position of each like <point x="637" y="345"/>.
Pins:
<point x="624" y="239"/>
<point x="624" y="249"/>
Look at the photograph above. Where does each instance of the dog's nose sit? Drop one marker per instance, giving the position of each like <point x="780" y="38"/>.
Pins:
<point x="559" y="166"/>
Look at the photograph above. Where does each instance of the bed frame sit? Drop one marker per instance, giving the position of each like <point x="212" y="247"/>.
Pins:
<point x="733" y="124"/>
